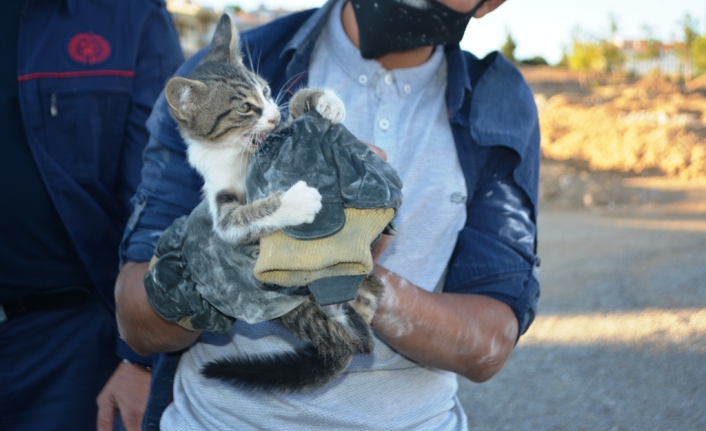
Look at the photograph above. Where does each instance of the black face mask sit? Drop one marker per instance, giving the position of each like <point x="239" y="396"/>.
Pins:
<point x="386" y="26"/>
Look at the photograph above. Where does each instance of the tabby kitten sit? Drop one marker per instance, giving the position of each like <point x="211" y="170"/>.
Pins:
<point x="224" y="111"/>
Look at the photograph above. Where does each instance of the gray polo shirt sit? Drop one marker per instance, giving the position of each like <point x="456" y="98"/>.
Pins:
<point x="403" y="111"/>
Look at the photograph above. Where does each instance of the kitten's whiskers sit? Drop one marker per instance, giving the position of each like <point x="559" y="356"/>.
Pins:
<point x="285" y="87"/>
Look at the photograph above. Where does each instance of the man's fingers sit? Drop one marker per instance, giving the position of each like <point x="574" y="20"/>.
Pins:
<point x="380" y="246"/>
<point x="125" y="392"/>
<point x="132" y="419"/>
<point x="106" y="412"/>
<point x="377" y="150"/>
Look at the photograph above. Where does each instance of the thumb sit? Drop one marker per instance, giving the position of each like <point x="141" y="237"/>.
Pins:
<point x="377" y="150"/>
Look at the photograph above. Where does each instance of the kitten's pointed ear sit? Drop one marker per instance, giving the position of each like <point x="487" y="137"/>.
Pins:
<point x="183" y="96"/>
<point x="225" y="43"/>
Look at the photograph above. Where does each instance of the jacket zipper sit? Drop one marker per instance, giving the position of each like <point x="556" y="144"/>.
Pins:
<point x="53" y="109"/>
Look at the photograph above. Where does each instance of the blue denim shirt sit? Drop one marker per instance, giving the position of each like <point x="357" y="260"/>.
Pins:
<point x="496" y="130"/>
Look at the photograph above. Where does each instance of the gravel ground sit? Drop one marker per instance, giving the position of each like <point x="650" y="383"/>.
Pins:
<point x="620" y="342"/>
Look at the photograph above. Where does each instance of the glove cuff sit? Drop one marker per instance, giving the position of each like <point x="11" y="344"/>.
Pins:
<point x="287" y="261"/>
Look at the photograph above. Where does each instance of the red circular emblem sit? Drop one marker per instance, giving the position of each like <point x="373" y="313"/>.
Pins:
<point x="89" y="48"/>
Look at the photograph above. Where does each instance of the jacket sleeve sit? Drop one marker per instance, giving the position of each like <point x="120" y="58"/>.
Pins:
<point x="495" y="253"/>
<point x="169" y="188"/>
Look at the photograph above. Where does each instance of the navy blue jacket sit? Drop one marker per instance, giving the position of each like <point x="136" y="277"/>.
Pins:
<point x="494" y="121"/>
<point x="89" y="72"/>
<point x="495" y="126"/>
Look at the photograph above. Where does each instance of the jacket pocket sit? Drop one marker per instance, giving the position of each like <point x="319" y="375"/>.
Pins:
<point x="85" y="130"/>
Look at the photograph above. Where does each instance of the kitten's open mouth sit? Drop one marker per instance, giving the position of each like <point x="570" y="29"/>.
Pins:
<point x="257" y="139"/>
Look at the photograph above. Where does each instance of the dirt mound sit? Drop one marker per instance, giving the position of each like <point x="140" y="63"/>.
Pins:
<point x="570" y="185"/>
<point x="656" y="84"/>
<point x="697" y="84"/>
<point x="552" y="80"/>
<point x="651" y="127"/>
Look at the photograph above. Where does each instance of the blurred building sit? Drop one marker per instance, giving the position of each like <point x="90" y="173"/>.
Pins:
<point x="196" y="24"/>
<point x="641" y="61"/>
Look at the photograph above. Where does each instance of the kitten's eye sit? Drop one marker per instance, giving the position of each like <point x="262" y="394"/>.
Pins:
<point x="245" y="108"/>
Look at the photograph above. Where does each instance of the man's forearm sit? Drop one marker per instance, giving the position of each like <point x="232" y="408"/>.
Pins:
<point x="472" y="335"/>
<point x="139" y="325"/>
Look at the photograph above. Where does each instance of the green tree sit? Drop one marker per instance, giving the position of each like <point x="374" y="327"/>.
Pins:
<point x="690" y="33"/>
<point x="535" y="61"/>
<point x="564" y="60"/>
<point x="614" y="57"/>
<point x="653" y="47"/>
<point x="613" y="25"/>
<point x="586" y="58"/>
<point x="508" y="48"/>
<point x="592" y="55"/>
<point x="698" y="54"/>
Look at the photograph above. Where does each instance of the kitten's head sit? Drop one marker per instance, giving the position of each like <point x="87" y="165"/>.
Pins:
<point x="221" y="101"/>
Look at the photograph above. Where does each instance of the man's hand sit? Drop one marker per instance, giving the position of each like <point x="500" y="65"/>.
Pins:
<point x="471" y="335"/>
<point x="379" y="246"/>
<point x="384" y="240"/>
<point x="139" y="325"/>
<point x="377" y="150"/>
<point x="126" y="392"/>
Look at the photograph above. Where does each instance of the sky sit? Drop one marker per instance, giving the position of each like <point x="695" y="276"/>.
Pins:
<point x="545" y="27"/>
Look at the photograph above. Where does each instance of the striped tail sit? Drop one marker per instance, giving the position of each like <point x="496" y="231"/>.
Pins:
<point x="301" y="370"/>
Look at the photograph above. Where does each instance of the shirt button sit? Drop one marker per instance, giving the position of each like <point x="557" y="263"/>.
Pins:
<point x="384" y="124"/>
<point x="363" y="79"/>
<point x="407" y="88"/>
<point x="458" y="197"/>
<point x="388" y="79"/>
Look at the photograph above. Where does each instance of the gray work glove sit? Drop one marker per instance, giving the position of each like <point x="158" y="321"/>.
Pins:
<point x="204" y="283"/>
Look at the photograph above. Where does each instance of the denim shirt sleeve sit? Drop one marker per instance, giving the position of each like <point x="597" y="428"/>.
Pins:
<point x="495" y="254"/>
<point x="495" y="251"/>
<point x="169" y="189"/>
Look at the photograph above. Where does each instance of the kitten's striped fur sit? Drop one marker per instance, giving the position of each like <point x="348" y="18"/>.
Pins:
<point x="334" y="333"/>
<point x="224" y="111"/>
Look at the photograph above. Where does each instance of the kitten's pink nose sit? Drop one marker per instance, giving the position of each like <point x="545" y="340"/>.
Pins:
<point x="270" y="116"/>
<point x="274" y="119"/>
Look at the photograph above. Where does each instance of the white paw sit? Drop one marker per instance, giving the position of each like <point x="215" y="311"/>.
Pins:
<point x="331" y="107"/>
<point x="336" y="313"/>
<point x="300" y="204"/>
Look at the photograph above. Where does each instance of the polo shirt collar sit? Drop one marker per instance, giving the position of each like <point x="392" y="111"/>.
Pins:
<point x="304" y="40"/>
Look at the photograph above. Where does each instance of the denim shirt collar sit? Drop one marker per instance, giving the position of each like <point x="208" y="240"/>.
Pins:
<point x="304" y="40"/>
<point x="458" y="78"/>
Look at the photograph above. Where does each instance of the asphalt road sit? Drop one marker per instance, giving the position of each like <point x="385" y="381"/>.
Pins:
<point x="620" y="341"/>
